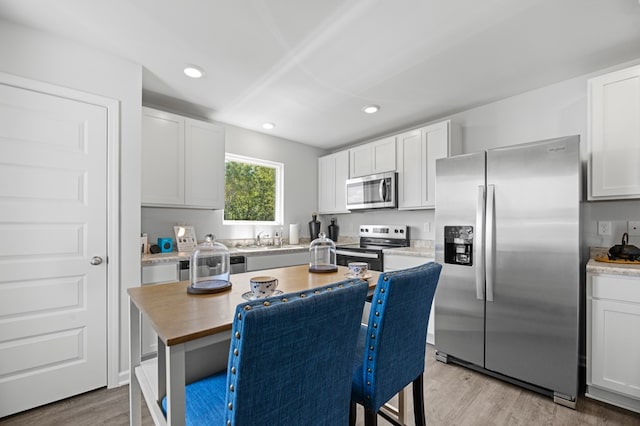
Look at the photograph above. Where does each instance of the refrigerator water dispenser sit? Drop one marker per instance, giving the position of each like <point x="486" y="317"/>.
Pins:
<point x="458" y="245"/>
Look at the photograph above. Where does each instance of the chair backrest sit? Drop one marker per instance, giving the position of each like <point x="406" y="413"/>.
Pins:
<point x="288" y="357"/>
<point x="396" y="337"/>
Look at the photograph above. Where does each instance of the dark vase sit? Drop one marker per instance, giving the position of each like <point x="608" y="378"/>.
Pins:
<point x="334" y="230"/>
<point x="314" y="227"/>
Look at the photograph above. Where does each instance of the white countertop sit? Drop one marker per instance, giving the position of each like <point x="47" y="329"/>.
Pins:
<point x="425" y="252"/>
<point x="174" y="256"/>
<point x="594" y="266"/>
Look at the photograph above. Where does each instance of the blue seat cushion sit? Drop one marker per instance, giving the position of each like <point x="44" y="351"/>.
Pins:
<point x="205" y="400"/>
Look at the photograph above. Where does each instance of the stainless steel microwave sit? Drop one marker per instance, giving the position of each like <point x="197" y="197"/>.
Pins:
<point x="372" y="192"/>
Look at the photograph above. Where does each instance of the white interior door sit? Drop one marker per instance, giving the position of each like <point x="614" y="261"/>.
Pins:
<point x="53" y="222"/>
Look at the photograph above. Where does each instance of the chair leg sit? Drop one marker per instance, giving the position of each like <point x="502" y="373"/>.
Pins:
<point x="418" y="401"/>
<point x="352" y="414"/>
<point x="370" y="417"/>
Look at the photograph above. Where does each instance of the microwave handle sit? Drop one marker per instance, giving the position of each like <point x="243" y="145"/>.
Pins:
<point x="382" y="190"/>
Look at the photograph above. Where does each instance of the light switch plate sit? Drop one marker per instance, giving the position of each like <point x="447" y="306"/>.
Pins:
<point x="633" y="228"/>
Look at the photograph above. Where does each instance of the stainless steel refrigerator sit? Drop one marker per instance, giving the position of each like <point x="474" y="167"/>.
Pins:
<point x="507" y="235"/>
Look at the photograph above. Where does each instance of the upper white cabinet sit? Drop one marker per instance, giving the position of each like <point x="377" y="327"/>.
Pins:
<point x="333" y="172"/>
<point x="374" y="157"/>
<point x="417" y="152"/>
<point x="614" y="135"/>
<point x="182" y="161"/>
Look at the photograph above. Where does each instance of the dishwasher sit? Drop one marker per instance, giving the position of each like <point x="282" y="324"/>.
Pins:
<point x="237" y="265"/>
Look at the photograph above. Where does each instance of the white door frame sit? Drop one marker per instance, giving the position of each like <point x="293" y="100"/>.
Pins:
<point x="113" y="205"/>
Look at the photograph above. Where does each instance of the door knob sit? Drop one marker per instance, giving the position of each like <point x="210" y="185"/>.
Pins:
<point x="96" y="260"/>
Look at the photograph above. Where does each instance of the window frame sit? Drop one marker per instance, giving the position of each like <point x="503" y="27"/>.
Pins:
<point x="279" y="188"/>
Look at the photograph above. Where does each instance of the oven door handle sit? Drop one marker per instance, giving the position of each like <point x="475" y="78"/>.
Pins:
<point x="357" y="254"/>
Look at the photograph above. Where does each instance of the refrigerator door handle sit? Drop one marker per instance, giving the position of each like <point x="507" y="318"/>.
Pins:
<point x="489" y="246"/>
<point x="479" y="237"/>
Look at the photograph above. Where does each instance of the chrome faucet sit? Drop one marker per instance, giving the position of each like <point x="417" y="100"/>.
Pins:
<point x="258" y="242"/>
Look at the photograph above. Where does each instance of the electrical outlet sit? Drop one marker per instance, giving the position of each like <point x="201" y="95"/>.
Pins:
<point x="633" y="228"/>
<point x="604" y="227"/>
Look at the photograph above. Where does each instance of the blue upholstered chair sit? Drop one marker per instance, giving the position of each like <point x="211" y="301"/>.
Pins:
<point x="286" y="361"/>
<point x="391" y="348"/>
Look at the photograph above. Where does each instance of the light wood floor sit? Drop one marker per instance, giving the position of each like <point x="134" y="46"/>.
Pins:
<point x="454" y="396"/>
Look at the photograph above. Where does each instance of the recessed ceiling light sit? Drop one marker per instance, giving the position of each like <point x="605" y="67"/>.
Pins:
<point x="371" y="109"/>
<point x="193" y="71"/>
<point x="268" y="126"/>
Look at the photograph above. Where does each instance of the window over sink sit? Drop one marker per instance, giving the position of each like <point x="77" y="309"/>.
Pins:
<point x="253" y="191"/>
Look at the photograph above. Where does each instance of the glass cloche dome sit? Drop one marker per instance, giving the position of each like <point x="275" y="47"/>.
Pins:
<point x="209" y="267"/>
<point x="322" y="254"/>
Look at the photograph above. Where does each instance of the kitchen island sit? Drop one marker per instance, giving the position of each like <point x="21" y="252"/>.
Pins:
<point x="187" y="323"/>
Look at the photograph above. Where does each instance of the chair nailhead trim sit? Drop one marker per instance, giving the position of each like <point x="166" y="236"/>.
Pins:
<point x="316" y="292"/>
<point x="235" y="352"/>
<point x="377" y="313"/>
<point x="233" y="370"/>
<point x="379" y="302"/>
<point x="341" y="286"/>
<point x="370" y="358"/>
<point x="285" y="300"/>
<point x="239" y="316"/>
<point x="230" y="406"/>
<point x="386" y="278"/>
<point x="382" y="290"/>
<point x="231" y="388"/>
<point x="247" y="307"/>
<point x="265" y="303"/>
<point x="228" y="422"/>
<point x="303" y="295"/>
<point x="371" y="347"/>
<point x="368" y="370"/>
<point x="237" y="334"/>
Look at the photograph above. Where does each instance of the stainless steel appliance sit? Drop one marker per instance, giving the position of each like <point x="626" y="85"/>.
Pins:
<point x="508" y="238"/>
<point x="373" y="240"/>
<point x="372" y="192"/>
<point x="238" y="265"/>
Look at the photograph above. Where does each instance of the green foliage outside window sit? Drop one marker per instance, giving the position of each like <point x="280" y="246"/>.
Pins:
<point x="250" y="192"/>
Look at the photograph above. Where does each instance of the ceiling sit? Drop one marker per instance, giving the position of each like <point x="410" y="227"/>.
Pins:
<point x="310" y="66"/>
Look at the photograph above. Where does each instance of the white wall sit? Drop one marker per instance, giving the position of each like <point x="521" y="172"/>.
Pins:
<point x="556" y="110"/>
<point x="39" y="56"/>
<point x="300" y="189"/>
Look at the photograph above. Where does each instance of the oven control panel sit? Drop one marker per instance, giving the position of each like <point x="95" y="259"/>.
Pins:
<point x="384" y="231"/>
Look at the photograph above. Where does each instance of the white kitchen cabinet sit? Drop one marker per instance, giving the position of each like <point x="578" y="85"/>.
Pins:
<point x="374" y="157"/>
<point x="255" y="263"/>
<point x="613" y="339"/>
<point x="155" y="274"/>
<point x="333" y="172"/>
<point x="417" y="152"/>
<point x="614" y="135"/>
<point x="393" y="262"/>
<point x="182" y="161"/>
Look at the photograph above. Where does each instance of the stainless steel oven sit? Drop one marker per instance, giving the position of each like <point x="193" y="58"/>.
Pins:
<point x="373" y="240"/>
<point x="372" y="192"/>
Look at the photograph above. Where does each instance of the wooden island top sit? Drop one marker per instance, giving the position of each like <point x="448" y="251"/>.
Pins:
<point x="179" y="317"/>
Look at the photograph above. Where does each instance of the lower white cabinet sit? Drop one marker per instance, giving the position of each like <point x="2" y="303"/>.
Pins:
<point x="393" y="262"/>
<point x="256" y="263"/>
<point x="155" y="274"/>
<point x="613" y="339"/>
